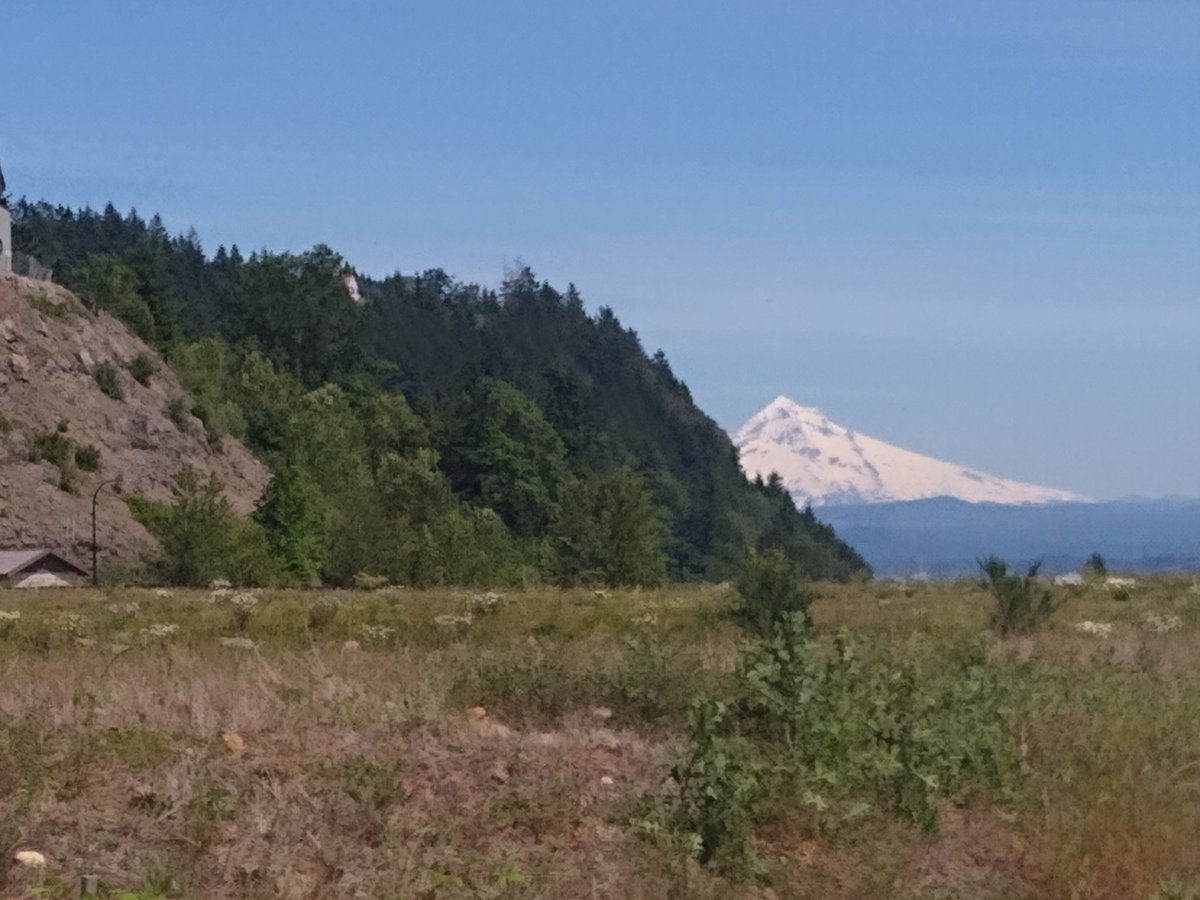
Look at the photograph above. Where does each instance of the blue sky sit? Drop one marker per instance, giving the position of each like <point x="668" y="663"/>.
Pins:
<point x="969" y="228"/>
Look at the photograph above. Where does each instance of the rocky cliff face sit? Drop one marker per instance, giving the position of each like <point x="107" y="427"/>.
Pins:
<point x="50" y="350"/>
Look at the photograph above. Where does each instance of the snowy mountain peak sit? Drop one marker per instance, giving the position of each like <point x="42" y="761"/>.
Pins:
<point x="822" y="462"/>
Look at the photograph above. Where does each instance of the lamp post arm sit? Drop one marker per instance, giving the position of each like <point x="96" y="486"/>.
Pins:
<point x="95" y="497"/>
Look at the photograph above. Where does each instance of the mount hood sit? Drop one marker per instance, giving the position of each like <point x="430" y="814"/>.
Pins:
<point x="822" y="462"/>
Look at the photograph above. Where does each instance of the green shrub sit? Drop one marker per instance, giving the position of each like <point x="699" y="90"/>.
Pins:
<point x="5" y="425"/>
<point x="109" y="381"/>
<point x="719" y="787"/>
<point x="88" y="458"/>
<point x="53" y="447"/>
<point x="201" y="538"/>
<point x="1022" y="605"/>
<point x="142" y="368"/>
<point x="50" y="308"/>
<point x="68" y="479"/>
<point x="820" y="733"/>
<point x="212" y="433"/>
<point x="59" y="450"/>
<point x="177" y="412"/>
<point x="770" y="591"/>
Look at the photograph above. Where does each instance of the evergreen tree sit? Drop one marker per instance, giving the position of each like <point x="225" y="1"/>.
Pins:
<point x="291" y="513"/>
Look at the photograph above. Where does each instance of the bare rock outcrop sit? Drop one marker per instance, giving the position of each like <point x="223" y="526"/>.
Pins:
<point x="50" y="348"/>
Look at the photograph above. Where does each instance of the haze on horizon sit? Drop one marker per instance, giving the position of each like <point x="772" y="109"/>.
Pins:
<point x="969" y="230"/>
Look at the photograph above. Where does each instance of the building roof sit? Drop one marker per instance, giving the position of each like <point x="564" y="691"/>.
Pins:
<point x="13" y="561"/>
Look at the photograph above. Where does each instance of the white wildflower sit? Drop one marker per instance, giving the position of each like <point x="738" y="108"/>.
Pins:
<point x="377" y="632"/>
<point x="649" y="620"/>
<point x="160" y="630"/>
<point x="30" y="859"/>
<point x="1116" y="584"/>
<point x="448" y="620"/>
<point x="1071" y="579"/>
<point x="1163" y="624"/>
<point x="163" y="593"/>
<point x="485" y="603"/>
<point x="7" y="615"/>
<point x="124" y="608"/>
<point x="1099" y="629"/>
<point x="71" y="624"/>
<point x="220" y="584"/>
<point x="244" y="600"/>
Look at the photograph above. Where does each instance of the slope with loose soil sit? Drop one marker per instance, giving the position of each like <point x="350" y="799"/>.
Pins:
<point x="50" y="349"/>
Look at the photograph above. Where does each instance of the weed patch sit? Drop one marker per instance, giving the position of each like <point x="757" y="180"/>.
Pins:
<point x="1022" y="605"/>
<point x="109" y="381"/>
<point x="134" y="748"/>
<point x="142" y="368"/>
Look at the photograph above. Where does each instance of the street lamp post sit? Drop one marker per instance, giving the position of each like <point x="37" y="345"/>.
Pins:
<point x="95" y="497"/>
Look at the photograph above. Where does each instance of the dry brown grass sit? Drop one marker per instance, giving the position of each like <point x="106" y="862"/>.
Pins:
<point x="182" y="766"/>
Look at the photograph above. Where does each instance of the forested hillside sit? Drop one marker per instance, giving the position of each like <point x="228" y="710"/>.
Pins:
<point x="436" y="432"/>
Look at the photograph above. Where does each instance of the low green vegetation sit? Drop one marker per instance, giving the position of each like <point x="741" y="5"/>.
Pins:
<point x="1023" y="604"/>
<point x="772" y="593"/>
<point x="53" y="447"/>
<point x="177" y="412"/>
<point x="88" y="458"/>
<point x="881" y="740"/>
<point x="109" y="381"/>
<point x="61" y="451"/>
<point x="142" y="368"/>
<point x="52" y="309"/>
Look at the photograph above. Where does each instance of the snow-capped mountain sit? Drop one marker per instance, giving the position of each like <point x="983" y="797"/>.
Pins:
<point x="822" y="462"/>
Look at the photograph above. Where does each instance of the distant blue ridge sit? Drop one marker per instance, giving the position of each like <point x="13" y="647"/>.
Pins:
<point x="943" y="537"/>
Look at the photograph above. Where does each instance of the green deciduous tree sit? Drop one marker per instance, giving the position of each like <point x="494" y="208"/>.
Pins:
<point x="509" y="458"/>
<point x="201" y="538"/>
<point x="106" y="283"/>
<point x="608" y="531"/>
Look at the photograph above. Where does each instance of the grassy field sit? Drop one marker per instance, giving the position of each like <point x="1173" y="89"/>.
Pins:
<point x="403" y="744"/>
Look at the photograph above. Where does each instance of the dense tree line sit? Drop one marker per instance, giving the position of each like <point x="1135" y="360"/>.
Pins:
<point x="436" y="432"/>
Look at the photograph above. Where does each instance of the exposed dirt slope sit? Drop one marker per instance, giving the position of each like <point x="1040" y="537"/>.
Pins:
<point x="50" y="348"/>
